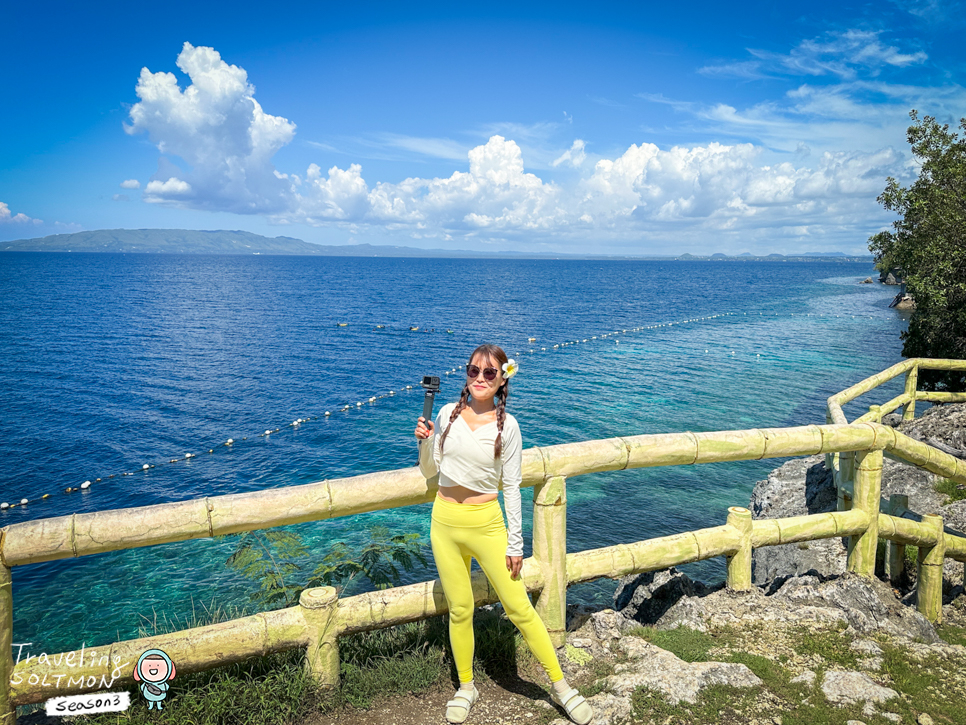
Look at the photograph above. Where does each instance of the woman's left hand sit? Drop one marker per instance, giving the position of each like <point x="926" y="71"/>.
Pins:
<point x="514" y="564"/>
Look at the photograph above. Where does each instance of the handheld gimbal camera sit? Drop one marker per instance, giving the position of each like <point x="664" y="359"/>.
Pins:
<point x="431" y="385"/>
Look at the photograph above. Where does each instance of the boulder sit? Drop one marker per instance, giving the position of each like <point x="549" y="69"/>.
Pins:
<point x="677" y="680"/>
<point x="848" y="687"/>
<point x="646" y="597"/>
<point x="800" y="486"/>
<point x="865" y="605"/>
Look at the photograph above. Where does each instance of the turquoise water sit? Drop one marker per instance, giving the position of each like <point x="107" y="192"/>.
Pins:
<point x="113" y="361"/>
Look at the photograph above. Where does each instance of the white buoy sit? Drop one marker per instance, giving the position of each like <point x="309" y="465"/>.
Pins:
<point x="358" y="404"/>
<point x="371" y="399"/>
<point x="327" y="414"/>
<point x="229" y="441"/>
<point x="145" y="467"/>
<point x="268" y="432"/>
<point x="392" y="392"/>
<point x="4" y="505"/>
<point x="23" y="501"/>
<point x="86" y="484"/>
<point x="189" y="455"/>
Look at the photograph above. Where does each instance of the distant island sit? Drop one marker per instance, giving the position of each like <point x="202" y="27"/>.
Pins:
<point x="191" y="241"/>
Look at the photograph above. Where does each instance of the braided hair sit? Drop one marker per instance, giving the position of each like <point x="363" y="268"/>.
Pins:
<point x="489" y="353"/>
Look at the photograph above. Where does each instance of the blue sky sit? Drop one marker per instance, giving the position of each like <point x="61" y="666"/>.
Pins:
<point x="645" y="128"/>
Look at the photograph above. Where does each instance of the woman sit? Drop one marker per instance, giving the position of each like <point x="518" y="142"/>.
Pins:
<point x="480" y="445"/>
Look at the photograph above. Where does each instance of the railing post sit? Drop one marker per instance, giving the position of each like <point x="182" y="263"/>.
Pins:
<point x="896" y="556"/>
<point x="929" y="582"/>
<point x="876" y="411"/>
<point x="739" y="564"/>
<point x="912" y="382"/>
<point x="844" y="482"/>
<point x="8" y="711"/>
<point x="830" y="458"/>
<point x="550" y="551"/>
<point x="320" y="610"/>
<point x="867" y="484"/>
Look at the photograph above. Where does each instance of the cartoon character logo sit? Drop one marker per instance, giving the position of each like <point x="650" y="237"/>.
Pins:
<point x="153" y="670"/>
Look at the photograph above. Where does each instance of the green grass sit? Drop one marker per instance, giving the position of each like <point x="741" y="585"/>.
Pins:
<point x="831" y="645"/>
<point x="272" y="690"/>
<point x="688" y="644"/>
<point x="275" y="690"/>
<point x="923" y="685"/>
<point x="950" y="489"/>
<point x="716" y="703"/>
<point x="952" y="633"/>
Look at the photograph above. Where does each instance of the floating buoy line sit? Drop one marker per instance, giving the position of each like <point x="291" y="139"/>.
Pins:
<point x="346" y="407"/>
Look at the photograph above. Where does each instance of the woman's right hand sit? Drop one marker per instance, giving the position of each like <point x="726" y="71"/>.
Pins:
<point x="424" y="428"/>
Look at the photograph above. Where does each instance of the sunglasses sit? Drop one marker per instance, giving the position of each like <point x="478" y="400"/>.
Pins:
<point x="489" y="374"/>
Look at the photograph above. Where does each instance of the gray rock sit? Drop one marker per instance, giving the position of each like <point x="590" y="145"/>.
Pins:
<point x="679" y="681"/>
<point x="893" y="716"/>
<point x="800" y="486"/>
<point x="924" y="719"/>
<point x="865" y="647"/>
<point x="865" y="605"/>
<point x="646" y="597"/>
<point x="608" y="708"/>
<point x="848" y="687"/>
<point x="608" y="624"/>
<point x="807" y="677"/>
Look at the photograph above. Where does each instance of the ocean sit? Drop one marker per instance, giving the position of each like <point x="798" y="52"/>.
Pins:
<point x="110" y="362"/>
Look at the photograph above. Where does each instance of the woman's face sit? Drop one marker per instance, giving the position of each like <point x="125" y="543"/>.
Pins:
<point x="480" y="388"/>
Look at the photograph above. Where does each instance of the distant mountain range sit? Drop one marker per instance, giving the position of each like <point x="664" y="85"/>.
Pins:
<point x="190" y="241"/>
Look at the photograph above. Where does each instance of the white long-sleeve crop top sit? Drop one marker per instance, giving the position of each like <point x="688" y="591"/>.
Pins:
<point x="467" y="460"/>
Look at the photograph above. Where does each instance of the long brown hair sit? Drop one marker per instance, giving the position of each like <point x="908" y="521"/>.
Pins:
<point x="489" y="353"/>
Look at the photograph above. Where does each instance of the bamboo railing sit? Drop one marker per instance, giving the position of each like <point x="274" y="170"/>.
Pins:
<point x="897" y="524"/>
<point x="320" y="618"/>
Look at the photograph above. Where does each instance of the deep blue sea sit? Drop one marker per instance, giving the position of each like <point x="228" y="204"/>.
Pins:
<point x="111" y="361"/>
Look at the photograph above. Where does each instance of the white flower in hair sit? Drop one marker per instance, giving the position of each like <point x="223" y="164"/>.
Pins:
<point x="510" y="368"/>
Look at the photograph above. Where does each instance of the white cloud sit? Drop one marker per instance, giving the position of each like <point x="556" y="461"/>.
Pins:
<point x="439" y="148"/>
<point x="839" y="53"/>
<point x="130" y="184"/>
<point x="7" y="217"/>
<point x="121" y="197"/>
<point x="698" y="192"/>
<point x="218" y="128"/>
<point x="695" y="192"/>
<point x="158" y="192"/>
<point x="574" y="156"/>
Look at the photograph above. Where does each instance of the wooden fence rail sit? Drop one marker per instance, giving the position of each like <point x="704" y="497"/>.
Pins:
<point x="854" y="451"/>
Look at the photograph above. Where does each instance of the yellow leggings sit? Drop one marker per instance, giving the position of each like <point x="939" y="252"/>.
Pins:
<point x="459" y="532"/>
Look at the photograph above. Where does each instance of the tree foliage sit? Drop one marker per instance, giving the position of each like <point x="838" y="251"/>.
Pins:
<point x="378" y="561"/>
<point x="276" y="560"/>
<point x="928" y="243"/>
